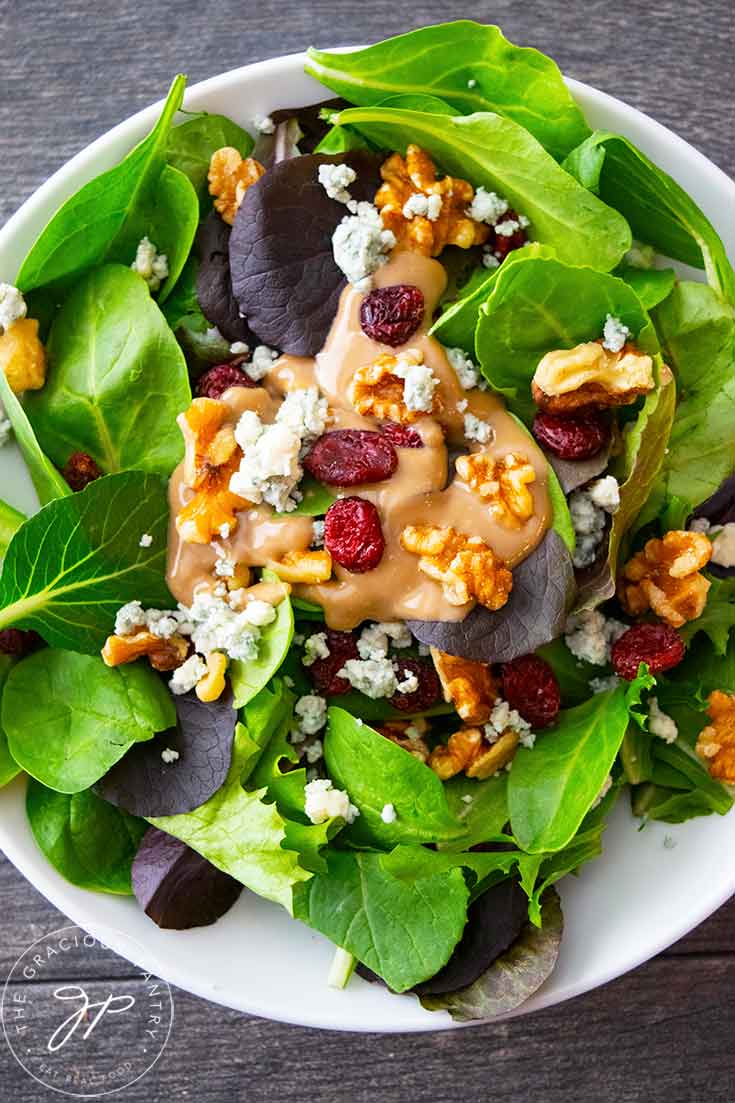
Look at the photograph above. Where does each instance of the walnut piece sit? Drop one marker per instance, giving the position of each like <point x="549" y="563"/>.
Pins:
<point x="303" y="566"/>
<point x="211" y="458"/>
<point x="503" y="483"/>
<point x="467" y="751"/>
<point x="162" y="654"/>
<point x="716" y="742"/>
<point x="408" y="734"/>
<point x="665" y="577"/>
<point x="468" y="685"/>
<point x="377" y="390"/>
<point x="590" y="375"/>
<point x="211" y="686"/>
<point x="440" y="206"/>
<point x="22" y="356"/>
<point x="466" y="567"/>
<point x="230" y="176"/>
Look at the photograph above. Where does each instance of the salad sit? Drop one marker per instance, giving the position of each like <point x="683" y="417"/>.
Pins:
<point x="387" y="526"/>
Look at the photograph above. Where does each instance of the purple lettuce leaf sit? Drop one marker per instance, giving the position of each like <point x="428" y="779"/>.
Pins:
<point x="144" y="785"/>
<point x="298" y="130"/>
<point x="284" y="276"/>
<point x="514" y="976"/>
<point x="719" y="509"/>
<point x="176" y="887"/>
<point x="575" y="473"/>
<point x="535" y="613"/>
<point x="214" y="286"/>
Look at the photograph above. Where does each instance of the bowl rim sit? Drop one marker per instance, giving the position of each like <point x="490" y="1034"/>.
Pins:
<point x="45" y="879"/>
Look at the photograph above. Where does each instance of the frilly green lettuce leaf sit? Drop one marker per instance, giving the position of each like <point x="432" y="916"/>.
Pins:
<point x="718" y="618"/>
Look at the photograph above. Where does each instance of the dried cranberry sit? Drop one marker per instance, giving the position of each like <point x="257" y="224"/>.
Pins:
<point x="349" y="457"/>
<point x="658" y="645"/>
<point x="392" y="314"/>
<point x="352" y="534"/>
<point x="220" y="378"/>
<point x="577" y="437"/>
<point x="427" y="692"/>
<point x="530" y="687"/>
<point x="401" y="436"/>
<point x="80" y="470"/>
<point x="504" y="244"/>
<point x="324" y="672"/>
<point x="15" y="641"/>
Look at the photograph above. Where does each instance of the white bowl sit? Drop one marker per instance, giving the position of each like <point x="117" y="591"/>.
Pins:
<point x="623" y="908"/>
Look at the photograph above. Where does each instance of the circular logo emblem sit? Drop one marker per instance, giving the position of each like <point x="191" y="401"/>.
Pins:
<point x="81" y="1020"/>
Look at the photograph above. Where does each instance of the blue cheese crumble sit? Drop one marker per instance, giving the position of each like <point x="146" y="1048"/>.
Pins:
<point x="487" y="206"/>
<point x="614" y="334"/>
<point x="323" y="802"/>
<point x="187" y="676"/>
<point x="419" y="382"/>
<point x="336" y="180"/>
<point x="419" y="205"/>
<point x="476" y="429"/>
<point x="466" y="369"/>
<point x="588" y="509"/>
<point x="150" y="264"/>
<point x="589" y="635"/>
<point x="388" y="814"/>
<point x="261" y="362"/>
<point x="315" y="647"/>
<point x="263" y="124"/>
<point x="376" y="639"/>
<point x="12" y="306"/>
<point x="660" y="723"/>
<point x="361" y="244"/>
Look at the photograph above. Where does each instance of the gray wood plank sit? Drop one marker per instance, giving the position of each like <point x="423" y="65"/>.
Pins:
<point x="71" y="70"/>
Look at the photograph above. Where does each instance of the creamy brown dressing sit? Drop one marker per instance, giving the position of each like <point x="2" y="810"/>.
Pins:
<point x="416" y="494"/>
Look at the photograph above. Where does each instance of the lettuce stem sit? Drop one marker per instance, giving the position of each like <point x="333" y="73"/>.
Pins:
<point x="341" y="969"/>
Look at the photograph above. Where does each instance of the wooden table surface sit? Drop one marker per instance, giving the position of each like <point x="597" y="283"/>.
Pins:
<point x="70" y="69"/>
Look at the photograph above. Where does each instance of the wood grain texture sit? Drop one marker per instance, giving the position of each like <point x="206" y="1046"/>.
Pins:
<point x="69" y="70"/>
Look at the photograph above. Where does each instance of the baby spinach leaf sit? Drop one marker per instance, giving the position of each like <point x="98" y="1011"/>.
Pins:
<point x="9" y="768"/>
<point x="143" y="784"/>
<point x="85" y="839"/>
<point x="480" y="806"/>
<point x="644" y="451"/>
<point x="284" y="276"/>
<point x="248" y="678"/>
<point x="241" y="835"/>
<point x="107" y="217"/>
<point x="182" y="306"/>
<point x="69" y="718"/>
<point x="191" y="144"/>
<point x="539" y="304"/>
<point x="497" y="153"/>
<point x="457" y="324"/>
<point x="535" y="613"/>
<point x="69" y="568"/>
<point x="10" y="521"/>
<point x="553" y="786"/>
<point x="176" y="887"/>
<point x="48" y="483"/>
<point x="658" y="210"/>
<point x="263" y="718"/>
<point x="403" y="931"/>
<point x="118" y="378"/>
<point x="651" y="285"/>
<point x="514" y="976"/>
<point x="472" y="67"/>
<point x="697" y="332"/>
<point x="376" y="772"/>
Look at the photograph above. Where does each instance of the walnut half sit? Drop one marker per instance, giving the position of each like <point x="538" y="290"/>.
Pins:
<point x="590" y="375"/>
<point x="716" y="742"/>
<point x="466" y="567"/>
<point x="230" y="175"/>
<point x="665" y="577"/>
<point x="467" y="751"/>
<point x="469" y="686"/>
<point x="502" y="483"/>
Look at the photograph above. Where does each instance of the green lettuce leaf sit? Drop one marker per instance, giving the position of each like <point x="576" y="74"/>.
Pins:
<point x="92" y="561"/>
<point x="376" y="772"/>
<point x="9" y="768"/>
<point x="553" y="786"/>
<point x="540" y="303"/>
<point x="483" y="814"/>
<point x="47" y="481"/>
<point x="658" y="210"/>
<point x="69" y="718"/>
<point x="107" y="217"/>
<point x="90" y="842"/>
<point x="697" y="333"/>
<point x="472" y="67"/>
<point x="718" y="618"/>
<point x="241" y="835"/>
<point x="404" y="931"/>
<point x="118" y="381"/>
<point x="498" y="154"/>
<point x="651" y="285"/>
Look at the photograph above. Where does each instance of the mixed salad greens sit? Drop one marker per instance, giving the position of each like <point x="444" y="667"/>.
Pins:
<point x="416" y="807"/>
